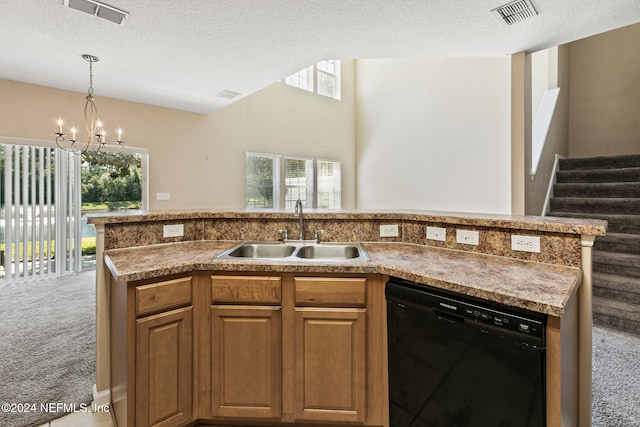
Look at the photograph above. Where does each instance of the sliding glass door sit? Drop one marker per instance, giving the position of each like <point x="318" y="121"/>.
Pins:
<point x="40" y="210"/>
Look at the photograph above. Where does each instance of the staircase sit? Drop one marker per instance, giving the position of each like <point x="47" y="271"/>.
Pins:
<point x="607" y="188"/>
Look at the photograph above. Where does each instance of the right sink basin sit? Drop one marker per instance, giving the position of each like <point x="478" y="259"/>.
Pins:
<point x="330" y="251"/>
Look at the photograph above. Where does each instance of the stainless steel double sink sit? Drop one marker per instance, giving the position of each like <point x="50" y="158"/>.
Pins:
<point x="298" y="251"/>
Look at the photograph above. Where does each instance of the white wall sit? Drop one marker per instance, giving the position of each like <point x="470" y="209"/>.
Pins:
<point x="604" y="98"/>
<point x="434" y="134"/>
<point x="557" y="140"/>
<point x="539" y="78"/>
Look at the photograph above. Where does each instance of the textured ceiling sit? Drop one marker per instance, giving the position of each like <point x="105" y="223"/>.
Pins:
<point x="181" y="53"/>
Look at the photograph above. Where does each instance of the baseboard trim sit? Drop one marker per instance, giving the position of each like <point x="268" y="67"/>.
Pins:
<point x="101" y="398"/>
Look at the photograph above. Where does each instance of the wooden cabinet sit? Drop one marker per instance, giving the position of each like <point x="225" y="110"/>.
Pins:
<point x="330" y="354"/>
<point x="152" y="352"/>
<point x="241" y="349"/>
<point x="330" y="363"/>
<point x="245" y="349"/>
<point x="296" y="348"/>
<point x="164" y="369"/>
<point x="246" y="346"/>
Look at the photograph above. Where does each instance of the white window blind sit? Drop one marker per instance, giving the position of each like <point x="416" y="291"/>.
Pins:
<point x="298" y="181"/>
<point x="41" y="201"/>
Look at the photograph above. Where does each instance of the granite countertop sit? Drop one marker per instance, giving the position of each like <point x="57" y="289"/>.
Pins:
<point x="540" y="287"/>
<point x="523" y="222"/>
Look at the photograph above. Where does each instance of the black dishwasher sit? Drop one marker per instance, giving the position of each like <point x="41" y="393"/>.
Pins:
<point x="462" y="362"/>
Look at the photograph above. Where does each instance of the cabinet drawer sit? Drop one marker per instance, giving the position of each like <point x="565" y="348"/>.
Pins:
<point x="330" y="291"/>
<point x="246" y="289"/>
<point x="162" y="296"/>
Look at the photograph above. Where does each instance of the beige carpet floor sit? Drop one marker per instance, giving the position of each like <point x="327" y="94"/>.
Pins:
<point x="47" y="348"/>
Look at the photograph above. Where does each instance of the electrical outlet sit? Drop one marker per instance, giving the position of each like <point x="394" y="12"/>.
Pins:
<point x="389" y="230"/>
<point x="468" y="237"/>
<point x="163" y="196"/>
<point x="525" y="243"/>
<point x="437" y="233"/>
<point x="173" y="230"/>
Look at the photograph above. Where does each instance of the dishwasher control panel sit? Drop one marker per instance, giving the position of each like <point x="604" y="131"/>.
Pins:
<point x="466" y="309"/>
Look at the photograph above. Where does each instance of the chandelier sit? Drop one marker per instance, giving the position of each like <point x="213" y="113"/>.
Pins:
<point x="96" y="136"/>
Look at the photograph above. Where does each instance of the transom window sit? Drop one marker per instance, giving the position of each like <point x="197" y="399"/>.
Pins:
<point x="322" y="78"/>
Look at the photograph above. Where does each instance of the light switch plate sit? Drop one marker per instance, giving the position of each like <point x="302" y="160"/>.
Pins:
<point x="437" y="233"/>
<point x="468" y="237"/>
<point x="173" y="230"/>
<point x="163" y="196"/>
<point x="525" y="243"/>
<point x="390" y="230"/>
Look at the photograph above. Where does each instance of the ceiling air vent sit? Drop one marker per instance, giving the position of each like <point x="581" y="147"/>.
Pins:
<point x="98" y="9"/>
<point x="227" y="94"/>
<point x="514" y="12"/>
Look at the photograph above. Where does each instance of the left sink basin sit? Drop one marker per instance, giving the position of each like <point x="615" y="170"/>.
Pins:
<point x="260" y="250"/>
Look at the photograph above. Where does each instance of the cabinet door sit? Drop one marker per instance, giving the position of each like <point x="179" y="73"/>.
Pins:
<point x="246" y="362"/>
<point x="164" y="369"/>
<point x="330" y="381"/>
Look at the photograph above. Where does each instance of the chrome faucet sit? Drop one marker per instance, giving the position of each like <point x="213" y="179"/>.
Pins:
<point x="285" y="234"/>
<point x="298" y="211"/>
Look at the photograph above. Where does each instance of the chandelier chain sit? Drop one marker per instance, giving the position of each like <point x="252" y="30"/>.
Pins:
<point x="90" y="91"/>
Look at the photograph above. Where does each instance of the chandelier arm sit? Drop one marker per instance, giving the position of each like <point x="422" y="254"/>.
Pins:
<point x="91" y="119"/>
<point x="73" y="145"/>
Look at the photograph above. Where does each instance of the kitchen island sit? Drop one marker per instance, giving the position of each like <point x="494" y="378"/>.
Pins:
<point x="140" y="262"/>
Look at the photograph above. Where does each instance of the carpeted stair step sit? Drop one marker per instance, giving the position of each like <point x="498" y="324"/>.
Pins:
<point x="607" y="188"/>
<point x="621" y="288"/>
<point x="616" y="263"/>
<point x="616" y="223"/>
<point x="619" y="242"/>
<point x="598" y="175"/>
<point x="616" y="314"/>
<point x="609" y="162"/>
<point x="597" y="190"/>
<point x="627" y="206"/>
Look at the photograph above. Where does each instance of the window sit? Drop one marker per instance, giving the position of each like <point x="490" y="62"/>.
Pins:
<point x="317" y="183"/>
<point x="326" y="72"/>
<point x="262" y="181"/>
<point x="298" y="182"/>
<point x="329" y="185"/>
<point x="303" y="79"/>
<point x="322" y="78"/>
